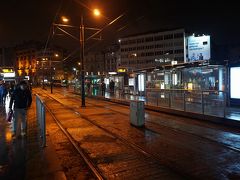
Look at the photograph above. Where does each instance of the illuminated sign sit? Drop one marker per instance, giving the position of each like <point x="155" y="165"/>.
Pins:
<point x="112" y="73"/>
<point x="190" y="86"/>
<point x="141" y="82"/>
<point x="198" y="48"/>
<point x="27" y="77"/>
<point x="234" y="82"/>
<point x="7" y="70"/>
<point x="131" y="82"/>
<point x="121" y="70"/>
<point x="9" y="75"/>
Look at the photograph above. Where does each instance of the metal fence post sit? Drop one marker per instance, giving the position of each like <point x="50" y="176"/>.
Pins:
<point x="184" y="101"/>
<point x="225" y="104"/>
<point x="43" y="126"/>
<point x="169" y="99"/>
<point x="146" y="100"/>
<point x="41" y="118"/>
<point x="202" y="101"/>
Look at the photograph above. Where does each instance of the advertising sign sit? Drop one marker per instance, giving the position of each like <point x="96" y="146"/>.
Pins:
<point x="198" y="48"/>
<point x="131" y="82"/>
<point x="234" y="82"/>
<point x="121" y="70"/>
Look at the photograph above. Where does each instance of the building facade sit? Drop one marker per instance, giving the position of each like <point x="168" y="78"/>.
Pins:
<point x="49" y="63"/>
<point x="33" y="61"/>
<point x="153" y="49"/>
<point x="26" y="61"/>
<point x="94" y="63"/>
<point x="112" y="58"/>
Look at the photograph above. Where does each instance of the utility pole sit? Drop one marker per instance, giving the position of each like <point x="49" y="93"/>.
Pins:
<point x="82" y="60"/>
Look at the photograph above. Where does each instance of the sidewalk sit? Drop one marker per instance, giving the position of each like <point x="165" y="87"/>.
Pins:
<point x="41" y="163"/>
<point x="24" y="158"/>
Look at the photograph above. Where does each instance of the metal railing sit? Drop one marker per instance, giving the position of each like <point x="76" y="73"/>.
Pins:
<point x="207" y="102"/>
<point x="41" y="118"/>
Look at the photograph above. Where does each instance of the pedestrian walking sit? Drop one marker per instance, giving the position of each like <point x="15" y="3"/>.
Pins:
<point x="111" y="86"/>
<point x="5" y="92"/>
<point x="11" y="89"/>
<point x="1" y="94"/>
<point x="22" y="99"/>
<point x="88" y="87"/>
<point x="103" y="88"/>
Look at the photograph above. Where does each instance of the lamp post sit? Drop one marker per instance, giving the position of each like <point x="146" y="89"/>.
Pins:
<point x="51" y="72"/>
<point x="51" y="79"/>
<point x="82" y="43"/>
<point x="96" y="12"/>
<point x="82" y="61"/>
<point x="43" y="59"/>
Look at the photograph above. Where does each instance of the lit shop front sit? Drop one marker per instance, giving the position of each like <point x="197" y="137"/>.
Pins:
<point x="8" y="74"/>
<point x="117" y="78"/>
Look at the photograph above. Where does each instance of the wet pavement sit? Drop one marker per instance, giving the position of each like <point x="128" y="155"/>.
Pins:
<point x="189" y="148"/>
<point x="177" y="147"/>
<point x="24" y="158"/>
<point x="12" y="152"/>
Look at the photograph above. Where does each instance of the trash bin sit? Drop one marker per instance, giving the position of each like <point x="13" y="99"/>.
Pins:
<point x="137" y="113"/>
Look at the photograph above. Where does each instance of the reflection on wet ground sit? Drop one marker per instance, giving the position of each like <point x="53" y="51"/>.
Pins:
<point x="12" y="152"/>
<point x="233" y="113"/>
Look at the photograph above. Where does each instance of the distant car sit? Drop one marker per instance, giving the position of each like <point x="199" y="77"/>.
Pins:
<point x="64" y="83"/>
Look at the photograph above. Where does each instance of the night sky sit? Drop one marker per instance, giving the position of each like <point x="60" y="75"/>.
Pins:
<point x="31" y="19"/>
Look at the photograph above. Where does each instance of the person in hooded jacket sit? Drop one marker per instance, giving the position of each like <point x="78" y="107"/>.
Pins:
<point x="22" y="99"/>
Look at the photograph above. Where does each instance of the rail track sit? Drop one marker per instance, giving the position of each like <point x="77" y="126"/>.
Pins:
<point x="170" y="128"/>
<point x="136" y="157"/>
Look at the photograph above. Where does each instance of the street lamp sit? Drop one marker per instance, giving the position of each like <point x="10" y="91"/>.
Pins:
<point x="56" y="55"/>
<point x="96" y="12"/>
<point x="65" y="19"/>
<point x="82" y="60"/>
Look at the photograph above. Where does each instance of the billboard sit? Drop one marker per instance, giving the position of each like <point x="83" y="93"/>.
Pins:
<point x="234" y="82"/>
<point x="198" y="48"/>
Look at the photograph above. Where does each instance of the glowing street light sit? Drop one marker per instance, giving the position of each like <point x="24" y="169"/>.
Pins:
<point x="56" y="55"/>
<point x="96" y="12"/>
<point x="64" y="19"/>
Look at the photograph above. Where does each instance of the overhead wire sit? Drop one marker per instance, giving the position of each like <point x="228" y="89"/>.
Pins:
<point x="51" y="30"/>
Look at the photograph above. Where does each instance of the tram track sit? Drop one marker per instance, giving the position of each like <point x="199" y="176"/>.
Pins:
<point x="95" y="171"/>
<point x="180" y="131"/>
<point x="171" y="128"/>
<point x="98" y="173"/>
